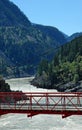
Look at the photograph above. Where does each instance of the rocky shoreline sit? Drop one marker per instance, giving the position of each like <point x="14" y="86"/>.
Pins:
<point x="4" y="87"/>
<point x="41" y="82"/>
<point x="45" y="83"/>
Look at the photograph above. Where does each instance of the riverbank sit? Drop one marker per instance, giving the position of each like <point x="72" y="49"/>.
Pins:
<point x="10" y="95"/>
<point x="4" y="87"/>
<point x="42" y="82"/>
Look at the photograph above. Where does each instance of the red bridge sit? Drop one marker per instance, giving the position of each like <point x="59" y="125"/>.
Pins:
<point x="34" y="103"/>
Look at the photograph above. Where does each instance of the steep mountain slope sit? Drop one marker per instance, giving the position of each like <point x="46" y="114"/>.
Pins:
<point x="24" y="43"/>
<point x="52" y="32"/>
<point x="10" y="15"/>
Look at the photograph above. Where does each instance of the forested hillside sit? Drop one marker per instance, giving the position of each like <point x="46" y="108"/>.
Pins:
<point x="65" y="68"/>
<point x="11" y="15"/>
<point x="69" y="61"/>
<point x="23" y="44"/>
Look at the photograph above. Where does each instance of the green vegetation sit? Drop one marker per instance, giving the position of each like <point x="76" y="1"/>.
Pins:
<point x="23" y="49"/>
<point x="10" y="15"/>
<point x="66" y="66"/>
<point x="23" y="44"/>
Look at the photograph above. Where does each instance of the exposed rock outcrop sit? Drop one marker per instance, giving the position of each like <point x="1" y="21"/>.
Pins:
<point x="42" y="82"/>
<point x="4" y="87"/>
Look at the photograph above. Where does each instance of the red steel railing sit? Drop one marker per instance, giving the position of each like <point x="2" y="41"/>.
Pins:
<point x="33" y="103"/>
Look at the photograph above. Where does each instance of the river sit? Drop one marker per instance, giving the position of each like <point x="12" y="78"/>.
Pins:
<point x="39" y="122"/>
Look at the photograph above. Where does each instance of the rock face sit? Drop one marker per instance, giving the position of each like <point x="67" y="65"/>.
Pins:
<point x="70" y="87"/>
<point x="42" y="82"/>
<point x="4" y="87"/>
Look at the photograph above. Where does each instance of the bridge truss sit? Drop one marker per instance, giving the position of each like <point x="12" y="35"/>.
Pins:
<point x="34" y="103"/>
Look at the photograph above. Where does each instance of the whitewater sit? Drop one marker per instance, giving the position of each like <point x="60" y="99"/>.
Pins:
<point x="38" y="122"/>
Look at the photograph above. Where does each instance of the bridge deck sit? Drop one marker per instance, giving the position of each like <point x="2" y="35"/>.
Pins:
<point x="41" y="103"/>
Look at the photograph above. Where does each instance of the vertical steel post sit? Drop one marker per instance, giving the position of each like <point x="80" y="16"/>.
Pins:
<point x="47" y="100"/>
<point x="78" y="100"/>
<point x="30" y="102"/>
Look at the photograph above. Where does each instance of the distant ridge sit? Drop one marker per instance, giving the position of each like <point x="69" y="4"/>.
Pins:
<point x="73" y="36"/>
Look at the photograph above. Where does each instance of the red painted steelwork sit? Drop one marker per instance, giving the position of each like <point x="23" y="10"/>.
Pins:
<point x="33" y="103"/>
